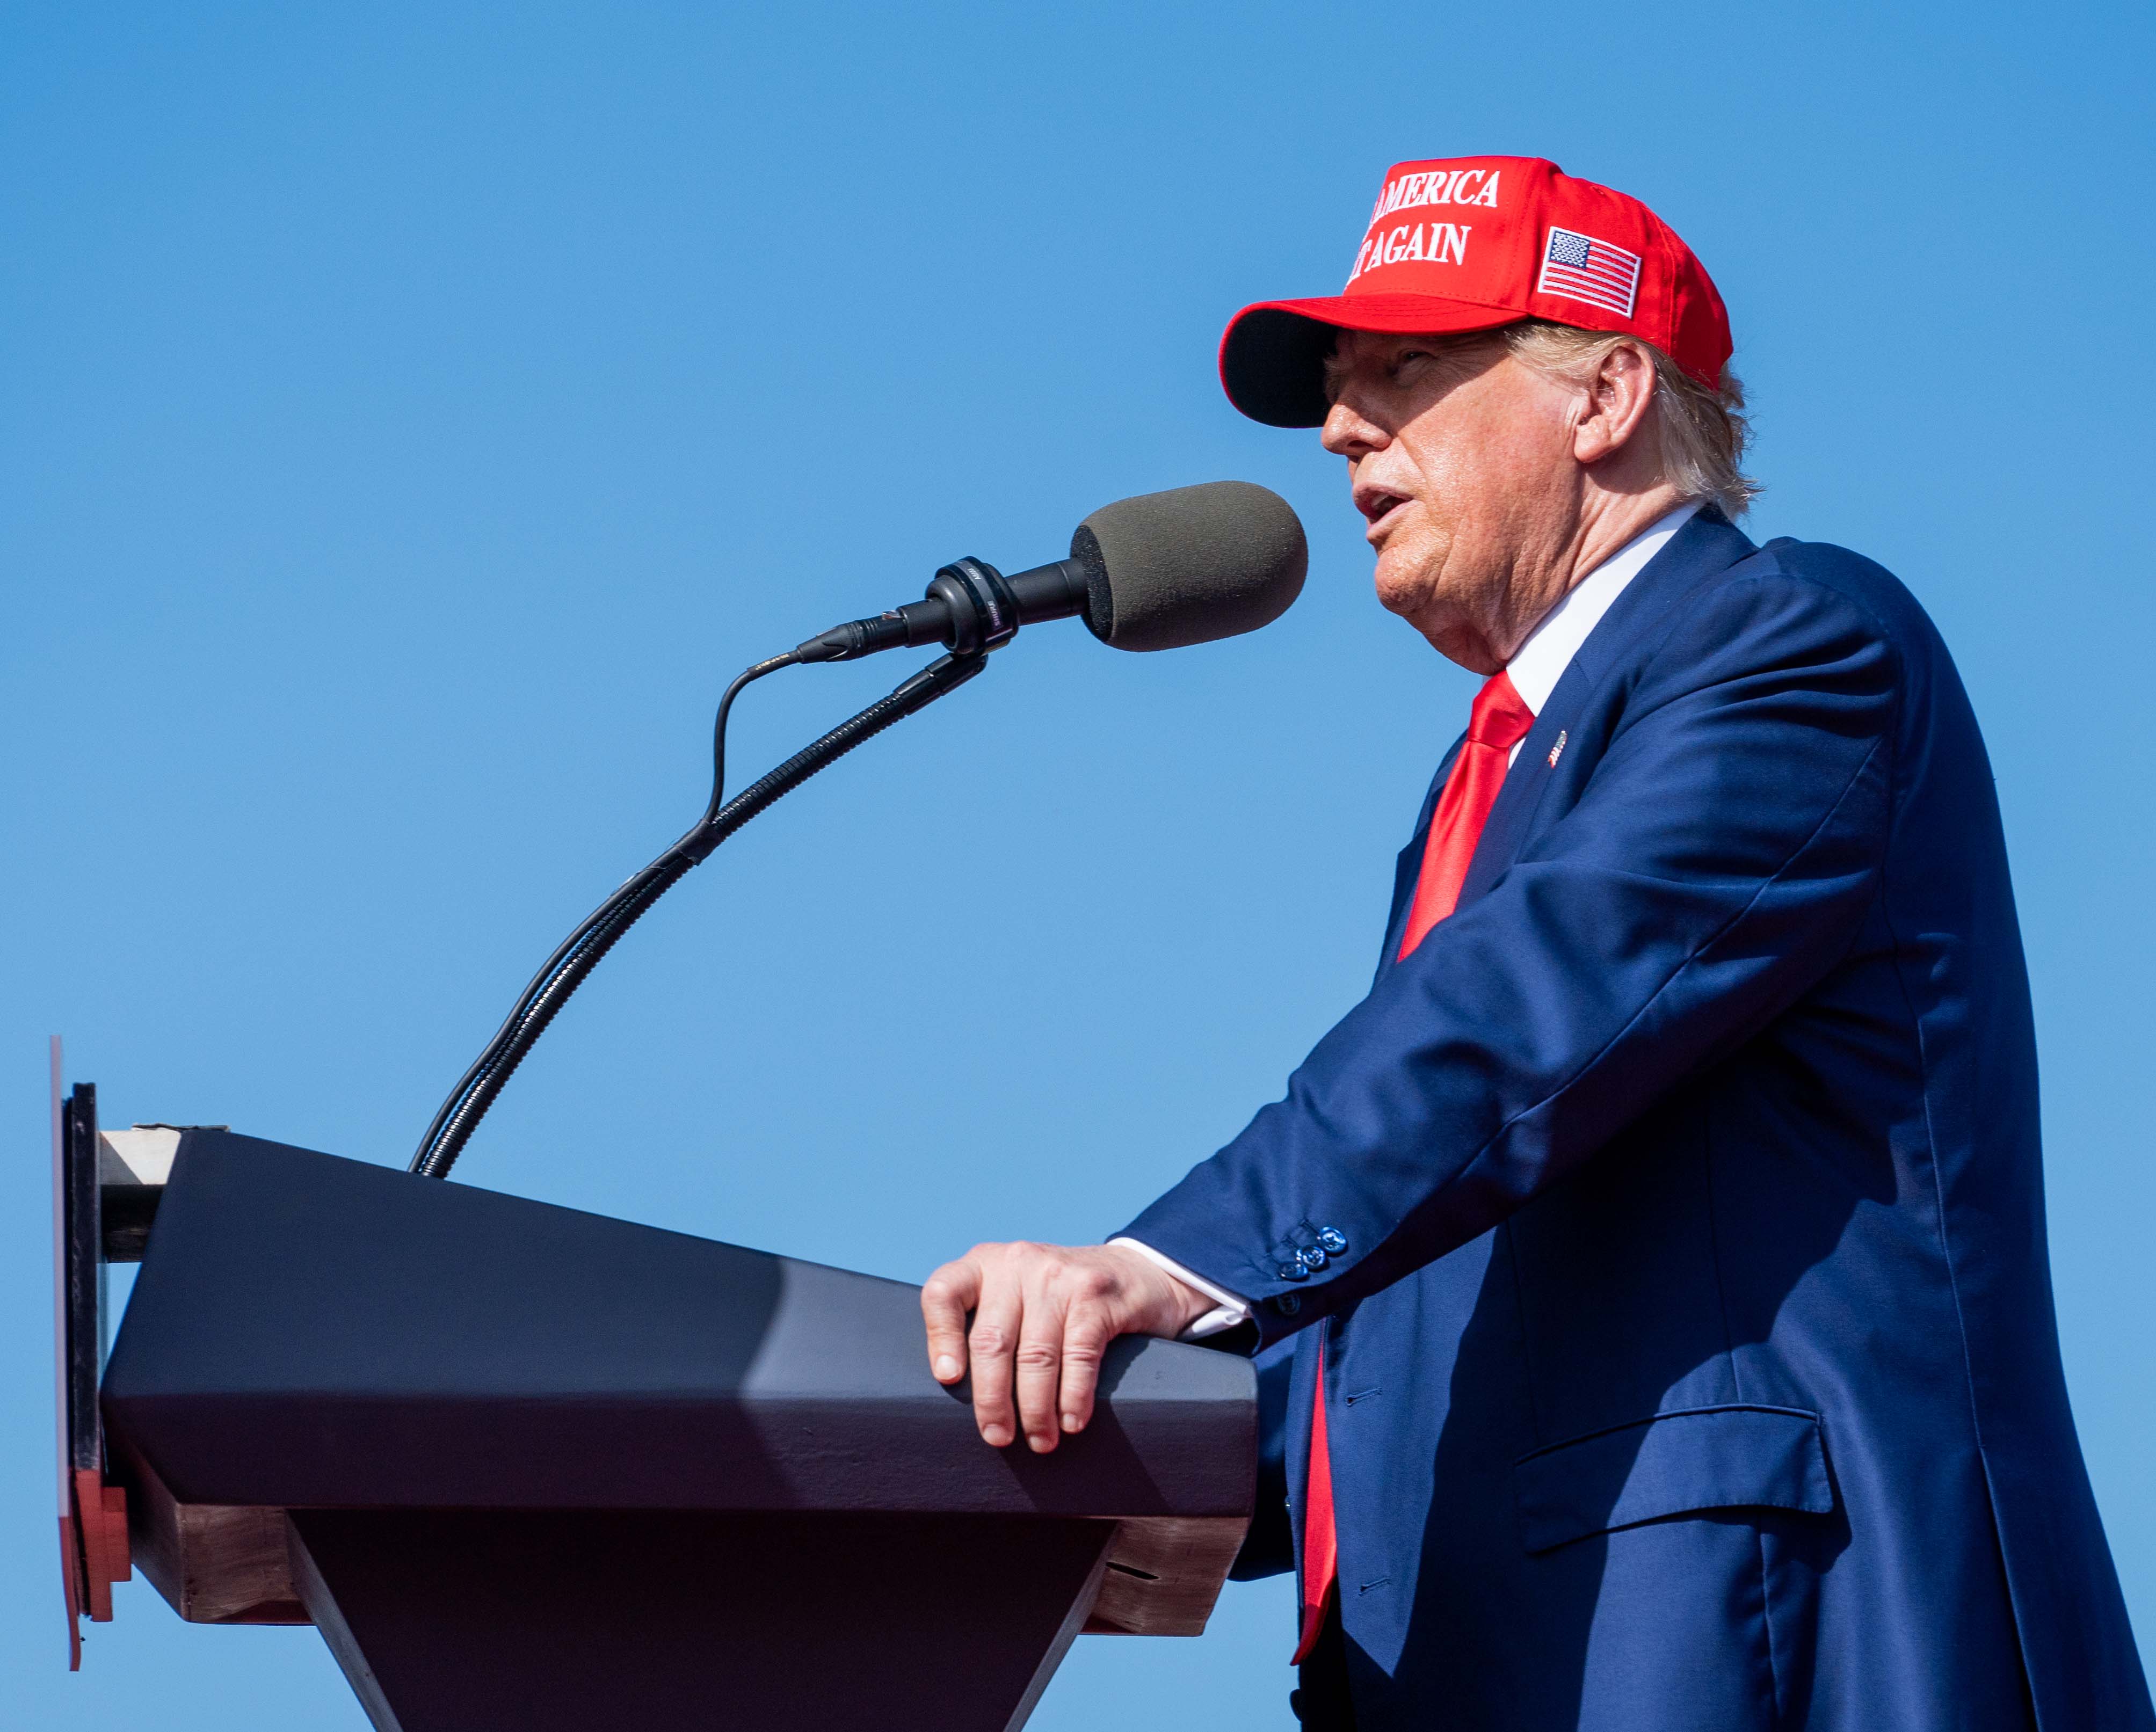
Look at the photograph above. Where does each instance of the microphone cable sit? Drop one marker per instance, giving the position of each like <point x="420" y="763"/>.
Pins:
<point x="580" y="952"/>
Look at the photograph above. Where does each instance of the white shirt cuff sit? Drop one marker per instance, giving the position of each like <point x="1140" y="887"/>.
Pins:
<point x="1228" y="1311"/>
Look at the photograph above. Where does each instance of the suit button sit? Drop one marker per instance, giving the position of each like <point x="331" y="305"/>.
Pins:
<point x="1288" y="1303"/>
<point x="1292" y="1271"/>
<point x="1332" y="1240"/>
<point x="1313" y="1259"/>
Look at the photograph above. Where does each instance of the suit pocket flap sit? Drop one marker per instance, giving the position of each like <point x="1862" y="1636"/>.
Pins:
<point x="1704" y="1459"/>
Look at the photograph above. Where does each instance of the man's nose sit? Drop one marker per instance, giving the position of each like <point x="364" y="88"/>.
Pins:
<point x="1346" y="433"/>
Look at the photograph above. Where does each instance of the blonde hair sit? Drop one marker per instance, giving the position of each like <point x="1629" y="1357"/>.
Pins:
<point x="1704" y="432"/>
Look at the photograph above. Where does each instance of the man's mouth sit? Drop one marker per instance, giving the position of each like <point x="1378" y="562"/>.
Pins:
<point x="1378" y="505"/>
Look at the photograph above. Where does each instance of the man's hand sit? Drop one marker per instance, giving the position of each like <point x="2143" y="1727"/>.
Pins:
<point x="1043" y="1317"/>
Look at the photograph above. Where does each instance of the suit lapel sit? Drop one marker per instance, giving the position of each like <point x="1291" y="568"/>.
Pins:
<point x="1705" y="545"/>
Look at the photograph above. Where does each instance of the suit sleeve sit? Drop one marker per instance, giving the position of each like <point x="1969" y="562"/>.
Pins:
<point x="1720" y="860"/>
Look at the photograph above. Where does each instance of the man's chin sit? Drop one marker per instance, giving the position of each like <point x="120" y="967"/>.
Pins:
<point x="1403" y="586"/>
<point x="1448" y="631"/>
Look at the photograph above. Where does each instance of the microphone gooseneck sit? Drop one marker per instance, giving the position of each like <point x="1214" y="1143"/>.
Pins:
<point x="1154" y="572"/>
<point x="579" y="953"/>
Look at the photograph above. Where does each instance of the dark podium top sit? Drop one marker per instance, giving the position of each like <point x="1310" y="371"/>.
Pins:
<point x="339" y="1387"/>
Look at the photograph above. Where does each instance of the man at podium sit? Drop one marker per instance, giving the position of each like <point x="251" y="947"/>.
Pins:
<point x="1650" y="1272"/>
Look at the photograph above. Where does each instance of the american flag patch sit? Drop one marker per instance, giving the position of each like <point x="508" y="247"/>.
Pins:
<point x="1582" y="267"/>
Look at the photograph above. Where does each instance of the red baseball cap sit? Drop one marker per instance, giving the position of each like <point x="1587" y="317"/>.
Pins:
<point x="1472" y="243"/>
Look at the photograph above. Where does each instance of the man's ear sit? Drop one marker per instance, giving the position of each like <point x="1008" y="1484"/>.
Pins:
<point x="1619" y="392"/>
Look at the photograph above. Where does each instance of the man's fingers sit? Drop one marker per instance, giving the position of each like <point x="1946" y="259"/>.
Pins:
<point x="951" y="1292"/>
<point x="992" y="1342"/>
<point x="1085" y="1339"/>
<point x="1040" y="1359"/>
<point x="1042" y="1319"/>
<point x="1093" y="1321"/>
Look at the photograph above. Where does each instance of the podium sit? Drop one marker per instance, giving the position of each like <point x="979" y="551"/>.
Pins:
<point x="525" y="1467"/>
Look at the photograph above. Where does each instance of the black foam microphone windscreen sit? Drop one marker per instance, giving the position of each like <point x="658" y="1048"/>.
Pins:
<point x="1190" y="564"/>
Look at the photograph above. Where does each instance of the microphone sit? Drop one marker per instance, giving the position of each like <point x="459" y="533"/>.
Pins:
<point x="1154" y="572"/>
<point x="1157" y="572"/>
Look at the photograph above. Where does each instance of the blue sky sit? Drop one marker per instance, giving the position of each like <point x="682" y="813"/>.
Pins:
<point x="413" y="415"/>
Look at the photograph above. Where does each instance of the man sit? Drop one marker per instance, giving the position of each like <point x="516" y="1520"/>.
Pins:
<point x="1650" y="1272"/>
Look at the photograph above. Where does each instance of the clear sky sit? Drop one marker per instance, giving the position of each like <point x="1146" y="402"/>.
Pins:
<point x="411" y="416"/>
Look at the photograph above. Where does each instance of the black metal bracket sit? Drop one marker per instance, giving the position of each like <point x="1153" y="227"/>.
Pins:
<point x="93" y="1515"/>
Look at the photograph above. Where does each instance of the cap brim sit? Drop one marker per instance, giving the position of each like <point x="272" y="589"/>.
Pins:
<point x="1272" y="356"/>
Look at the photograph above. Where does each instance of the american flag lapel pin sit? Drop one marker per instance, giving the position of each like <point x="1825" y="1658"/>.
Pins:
<point x="1557" y="748"/>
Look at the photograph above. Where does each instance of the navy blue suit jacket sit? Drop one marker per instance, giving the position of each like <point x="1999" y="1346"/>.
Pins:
<point x="1689" y="1360"/>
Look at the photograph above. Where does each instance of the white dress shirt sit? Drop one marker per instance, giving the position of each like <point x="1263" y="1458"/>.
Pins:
<point x="1534" y="670"/>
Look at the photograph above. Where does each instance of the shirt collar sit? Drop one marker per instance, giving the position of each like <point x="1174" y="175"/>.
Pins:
<point x="1542" y="660"/>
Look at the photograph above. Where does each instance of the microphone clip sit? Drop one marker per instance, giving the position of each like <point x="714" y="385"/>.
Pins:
<point x="970" y="609"/>
<point x="984" y="611"/>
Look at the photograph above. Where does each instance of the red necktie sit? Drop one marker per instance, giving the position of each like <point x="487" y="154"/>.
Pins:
<point x="1499" y="721"/>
